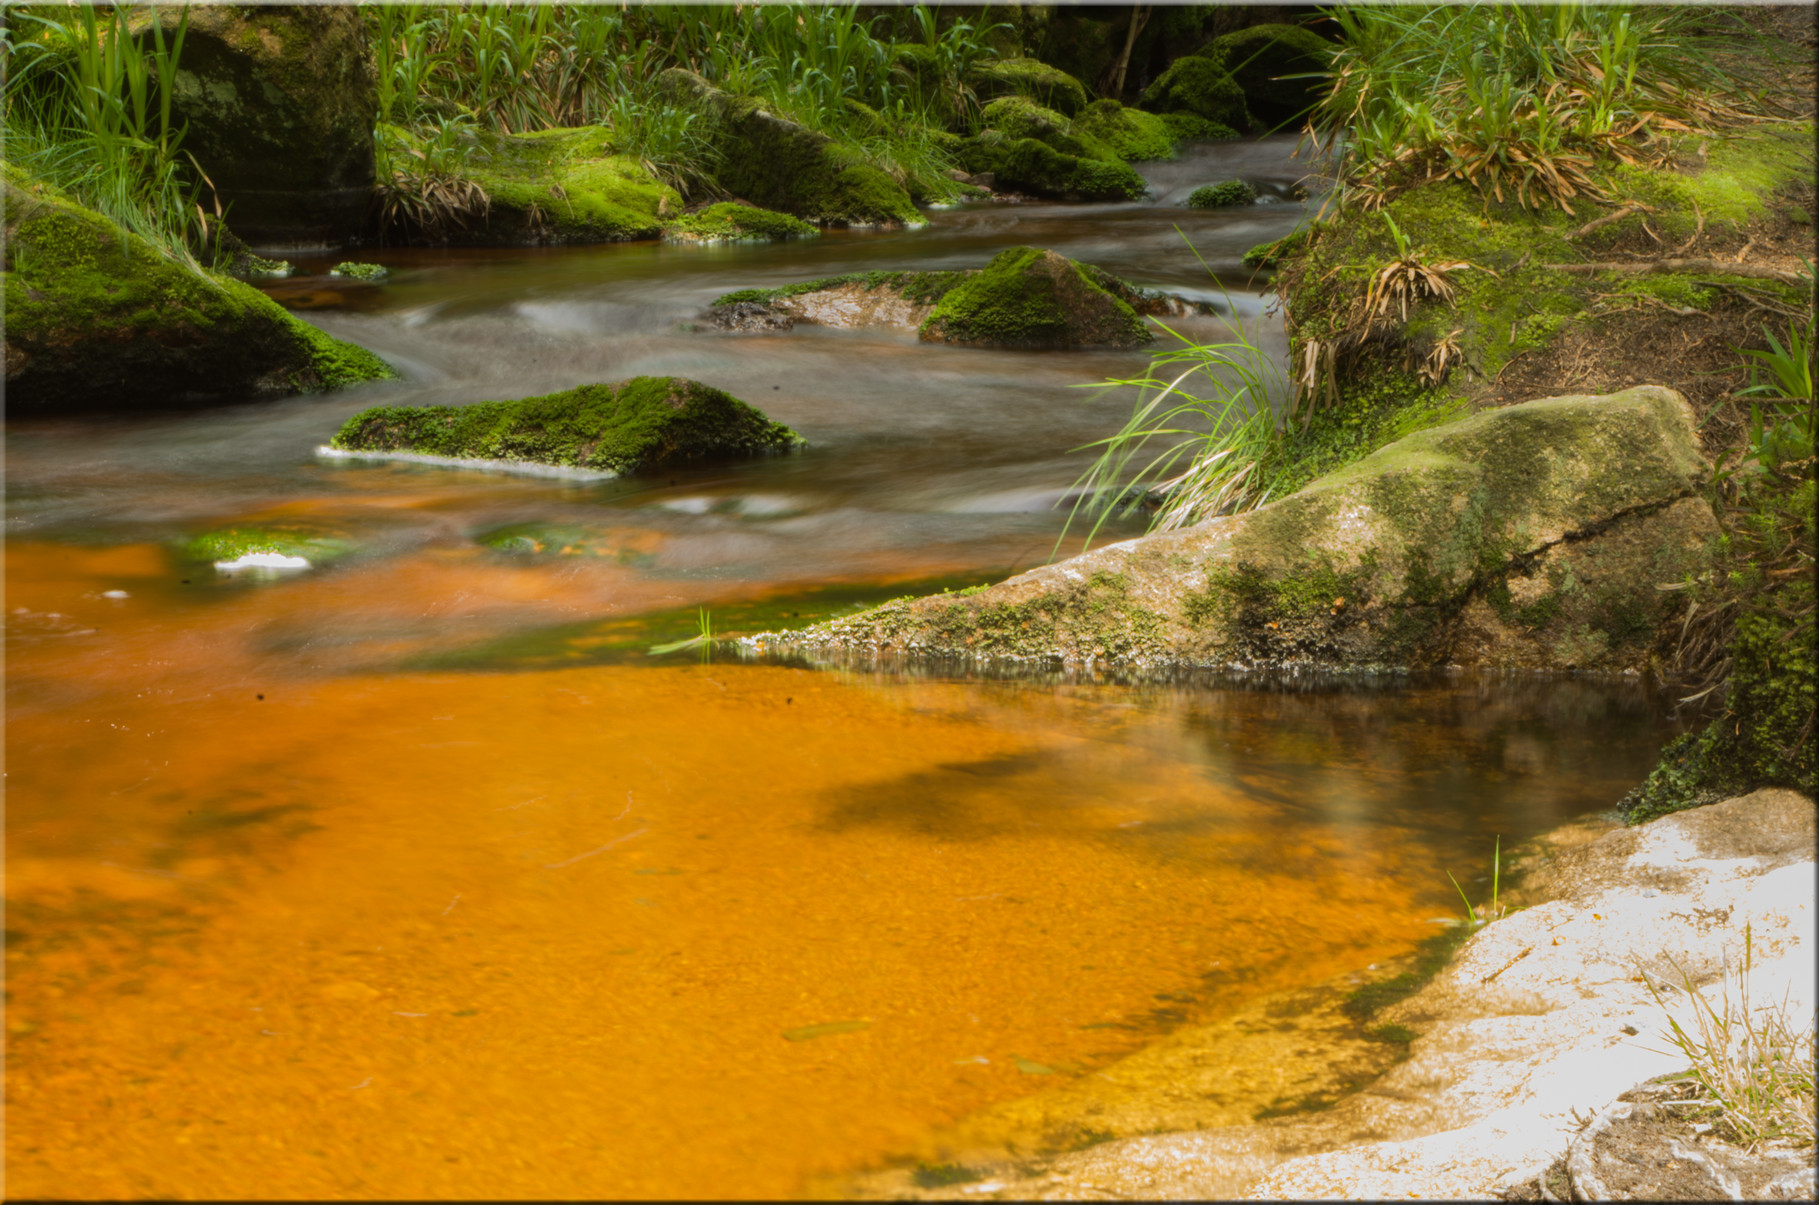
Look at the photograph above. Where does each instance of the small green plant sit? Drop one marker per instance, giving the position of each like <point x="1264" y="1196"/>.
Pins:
<point x="1477" y="918"/>
<point x="703" y="638"/>
<point x="1754" y="1064"/>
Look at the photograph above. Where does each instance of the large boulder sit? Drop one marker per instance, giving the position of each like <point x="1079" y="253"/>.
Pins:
<point x="278" y="106"/>
<point x="96" y="319"/>
<point x="1202" y="87"/>
<point x="636" y="426"/>
<point x="1276" y="66"/>
<point x="1533" y="535"/>
<point x="1020" y="117"/>
<point x="1034" y="167"/>
<point x="1131" y="134"/>
<point x="1028" y="297"/>
<point x="1048" y="86"/>
<point x="773" y="162"/>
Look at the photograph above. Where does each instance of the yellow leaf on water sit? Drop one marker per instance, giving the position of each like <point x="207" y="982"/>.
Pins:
<point x="821" y="1031"/>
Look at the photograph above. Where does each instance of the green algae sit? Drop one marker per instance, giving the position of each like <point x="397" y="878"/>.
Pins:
<point x="637" y="426"/>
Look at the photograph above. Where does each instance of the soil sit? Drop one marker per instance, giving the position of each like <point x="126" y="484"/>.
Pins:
<point x="1665" y="1150"/>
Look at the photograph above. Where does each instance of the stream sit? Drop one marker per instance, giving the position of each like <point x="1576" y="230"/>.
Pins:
<point x="415" y="874"/>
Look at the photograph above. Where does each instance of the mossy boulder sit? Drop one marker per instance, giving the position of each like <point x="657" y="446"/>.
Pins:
<point x="1048" y="86"/>
<point x="1372" y="567"/>
<point x="1131" y="134"/>
<point x="1026" y="165"/>
<point x="1263" y="59"/>
<point x="278" y="105"/>
<point x="1202" y="87"/>
<point x="770" y="161"/>
<point x="97" y="319"/>
<point x="731" y="223"/>
<point x="559" y="186"/>
<point x="296" y="541"/>
<point x="1221" y="195"/>
<point x="636" y="426"/>
<point x="1190" y="127"/>
<point x="1028" y="297"/>
<point x="1020" y="117"/>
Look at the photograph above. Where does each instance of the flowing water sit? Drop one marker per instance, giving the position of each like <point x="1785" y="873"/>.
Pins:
<point x="412" y="874"/>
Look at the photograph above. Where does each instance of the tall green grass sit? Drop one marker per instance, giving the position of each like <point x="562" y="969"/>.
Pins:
<point x="517" y="68"/>
<point x="1523" y="101"/>
<point x="87" y="107"/>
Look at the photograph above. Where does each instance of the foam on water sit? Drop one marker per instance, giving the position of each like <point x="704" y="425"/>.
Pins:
<point x="522" y="467"/>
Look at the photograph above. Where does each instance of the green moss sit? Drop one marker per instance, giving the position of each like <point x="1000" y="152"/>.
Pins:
<point x="1224" y="193"/>
<point x="1189" y="127"/>
<point x="104" y="319"/>
<point x="1371" y="415"/>
<point x="1131" y="134"/>
<point x="1261" y="58"/>
<point x="1740" y="177"/>
<point x="1200" y="86"/>
<point x="315" y="545"/>
<point x="1030" y="166"/>
<point x="372" y="273"/>
<point x="1027" y="297"/>
<point x="1762" y="738"/>
<point x="640" y="425"/>
<point x="1048" y="86"/>
<point x="1271" y="255"/>
<point x="728" y="222"/>
<point x="567" y="186"/>
<point x="1020" y="117"/>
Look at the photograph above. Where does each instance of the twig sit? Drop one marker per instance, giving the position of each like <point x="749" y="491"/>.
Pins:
<point x="1746" y="250"/>
<point x="1595" y="223"/>
<point x="1756" y="271"/>
<point x="1526" y="951"/>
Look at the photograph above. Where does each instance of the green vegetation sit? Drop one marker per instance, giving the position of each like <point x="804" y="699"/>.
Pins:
<point x="640" y="425"/>
<point x="727" y="222"/>
<point x="316" y="546"/>
<point x="1224" y="193"/>
<point x="369" y="273"/>
<point x="923" y="288"/>
<point x="1200" y="87"/>
<point x="1521" y="100"/>
<point x="1484" y="914"/>
<point x="703" y="639"/>
<point x="1027" y="297"/>
<point x="87" y="108"/>
<point x="1753" y="1063"/>
<point x="824" y="69"/>
<point x="1130" y="134"/>
<point x="943" y="1175"/>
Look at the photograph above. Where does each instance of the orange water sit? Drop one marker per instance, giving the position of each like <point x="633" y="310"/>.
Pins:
<point x="543" y="932"/>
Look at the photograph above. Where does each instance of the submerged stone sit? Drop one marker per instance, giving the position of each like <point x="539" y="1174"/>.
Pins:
<point x="96" y="318"/>
<point x="371" y="273"/>
<point x="636" y="426"/>
<point x="1531" y="536"/>
<point x="267" y="546"/>
<point x="1028" y="297"/>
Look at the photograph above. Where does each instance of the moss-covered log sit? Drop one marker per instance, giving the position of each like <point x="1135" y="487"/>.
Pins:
<point x="637" y="426"/>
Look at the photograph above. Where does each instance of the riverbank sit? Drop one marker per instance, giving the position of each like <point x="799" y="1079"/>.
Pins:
<point x="1541" y="1021"/>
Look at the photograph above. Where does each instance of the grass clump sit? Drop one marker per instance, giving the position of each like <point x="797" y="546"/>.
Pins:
<point x="1753" y="1064"/>
<point x="1222" y="194"/>
<point x="1523" y="101"/>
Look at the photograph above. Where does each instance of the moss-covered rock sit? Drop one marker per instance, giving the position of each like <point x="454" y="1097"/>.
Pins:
<point x="1027" y="297"/>
<point x="1190" y="127"/>
<point x="560" y="186"/>
<point x="1020" y="117"/>
<point x="98" y="319"/>
<point x="1131" y="134"/>
<point x="1048" y="86"/>
<point x="1368" y="568"/>
<point x="1026" y="165"/>
<point x="776" y="163"/>
<point x="1270" y="255"/>
<point x="1222" y="194"/>
<point x="1262" y="58"/>
<point x="731" y="223"/>
<point x="278" y="105"/>
<point x="370" y="273"/>
<point x="310" y="543"/>
<point x="640" y="425"/>
<point x="1199" y="86"/>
